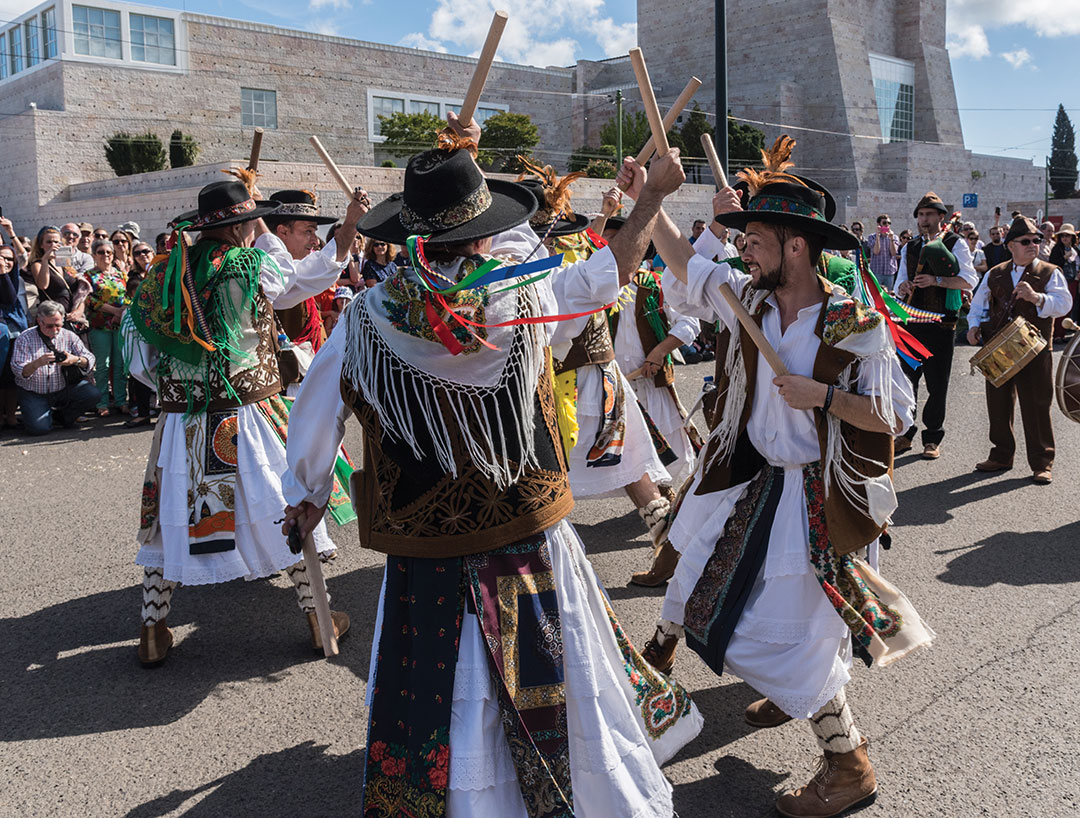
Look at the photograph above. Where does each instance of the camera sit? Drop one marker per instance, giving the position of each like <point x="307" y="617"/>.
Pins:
<point x="59" y="357"/>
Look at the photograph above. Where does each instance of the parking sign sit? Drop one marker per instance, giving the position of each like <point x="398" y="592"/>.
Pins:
<point x="971" y="200"/>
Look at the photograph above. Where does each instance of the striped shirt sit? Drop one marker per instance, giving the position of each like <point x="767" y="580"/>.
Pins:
<point x="30" y="346"/>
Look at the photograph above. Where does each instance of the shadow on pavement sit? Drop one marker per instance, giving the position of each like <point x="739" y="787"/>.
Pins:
<point x="302" y="780"/>
<point x="729" y="793"/>
<point x="1034" y="558"/>
<point x="615" y="534"/>
<point x="932" y="503"/>
<point x="91" y="430"/>
<point x="63" y="673"/>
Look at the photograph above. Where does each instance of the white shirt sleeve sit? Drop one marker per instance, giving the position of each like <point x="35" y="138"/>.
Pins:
<point x="518" y="243"/>
<point x="901" y="270"/>
<point x="967" y="267"/>
<point x="300" y="279"/>
<point x="700" y="296"/>
<point x="316" y="427"/>
<point x="707" y="245"/>
<point x="1057" y="300"/>
<point x="980" y="304"/>
<point x="683" y="327"/>
<point x="581" y="287"/>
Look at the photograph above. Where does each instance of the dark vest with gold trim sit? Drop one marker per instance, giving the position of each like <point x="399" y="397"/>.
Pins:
<point x="1003" y="307"/>
<point x="592" y="346"/>
<point x="411" y="507"/>
<point x="929" y="298"/>
<point x="849" y="527"/>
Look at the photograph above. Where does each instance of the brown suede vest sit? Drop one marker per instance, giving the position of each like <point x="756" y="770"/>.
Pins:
<point x="592" y="346"/>
<point x="1004" y="308"/>
<point x="929" y="298"/>
<point x="412" y="507"/>
<point x="849" y="528"/>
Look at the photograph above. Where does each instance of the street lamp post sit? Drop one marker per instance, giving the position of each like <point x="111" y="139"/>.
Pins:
<point x="721" y="136"/>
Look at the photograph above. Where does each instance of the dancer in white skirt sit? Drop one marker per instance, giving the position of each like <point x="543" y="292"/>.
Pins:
<point x="793" y="484"/>
<point x="501" y="682"/>
<point x="201" y="332"/>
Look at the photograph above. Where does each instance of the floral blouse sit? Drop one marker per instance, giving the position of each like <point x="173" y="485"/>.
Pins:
<point x="109" y="288"/>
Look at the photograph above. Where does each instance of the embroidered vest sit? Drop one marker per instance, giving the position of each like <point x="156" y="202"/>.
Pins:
<point x="929" y="298"/>
<point x="1004" y="308"/>
<point x="252" y="383"/>
<point x="666" y="375"/>
<point x="592" y="346"/>
<point x="849" y="527"/>
<point x="411" y="507"/>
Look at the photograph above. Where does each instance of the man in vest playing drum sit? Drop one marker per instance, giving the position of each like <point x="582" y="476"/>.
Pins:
<point x="937" y="292"/>
<point x="1037" y="291"/>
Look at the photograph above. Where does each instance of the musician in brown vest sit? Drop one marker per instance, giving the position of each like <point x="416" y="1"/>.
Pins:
<point x="929" y="289"/>
<point x="1037" y="291"/>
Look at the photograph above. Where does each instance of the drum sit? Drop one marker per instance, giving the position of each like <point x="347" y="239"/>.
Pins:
<point x="1009" y="351"/>
<point x="1067" y="381"/>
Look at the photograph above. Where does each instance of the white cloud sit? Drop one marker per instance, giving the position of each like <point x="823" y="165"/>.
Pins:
<point x="326" y="28"/>
<point x="1018" y="58"/>
<point x="422" y="41"/>
<point x="1047" y="18"/>
<point x="970" y="42"/>
<point x="343" y="5"/>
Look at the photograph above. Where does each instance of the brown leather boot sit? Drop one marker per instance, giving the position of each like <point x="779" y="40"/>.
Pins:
<point x="663" y="567"/>
<point x="844" y="782"/>
<point x="763" y="713"/>
<point x="341" y="627"/>
<point x="154" y="643"/>
<point x="661" y="657"/>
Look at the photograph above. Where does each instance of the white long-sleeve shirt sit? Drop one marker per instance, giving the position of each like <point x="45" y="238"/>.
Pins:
<point x="300" y="278"/>
<point x="1056" y="303"/>
<point x="963" y="255"/>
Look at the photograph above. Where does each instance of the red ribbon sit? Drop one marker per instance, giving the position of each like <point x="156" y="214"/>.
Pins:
<point x="438" y="326"/>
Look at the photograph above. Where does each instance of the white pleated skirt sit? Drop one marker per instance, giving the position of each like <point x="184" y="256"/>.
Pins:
<point x="661" y="408"/>
<point x="615" y="764"/>
<point x="261" y="548"/>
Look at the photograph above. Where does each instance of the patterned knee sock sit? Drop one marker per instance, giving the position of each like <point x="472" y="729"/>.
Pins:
<point x="299" y="576"/>
<point x="666" y="629"/>
<point x="654" y="515"/>
<point x="156" y="594"/>
<point x="835" y="727"/>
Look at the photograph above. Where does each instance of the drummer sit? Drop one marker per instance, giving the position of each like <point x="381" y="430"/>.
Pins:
<point x="1036" y="290"/>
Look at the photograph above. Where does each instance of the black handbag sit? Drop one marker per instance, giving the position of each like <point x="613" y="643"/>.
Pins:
<point x="71" y="372"/>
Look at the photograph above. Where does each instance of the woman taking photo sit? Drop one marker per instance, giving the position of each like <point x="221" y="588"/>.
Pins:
<point x="379" y="262"/>
<point x="13" y="321"/>
<point x="106" y="307"/>
<point x="51" y="282"/>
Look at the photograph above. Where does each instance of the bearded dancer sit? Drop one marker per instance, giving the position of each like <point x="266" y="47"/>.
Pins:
<point x="518" y="677"/>
<point x="780" y="603"/>
<point x="201" y="332"/>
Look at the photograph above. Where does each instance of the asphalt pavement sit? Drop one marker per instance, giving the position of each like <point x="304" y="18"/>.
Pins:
<point x="243" y="721"/>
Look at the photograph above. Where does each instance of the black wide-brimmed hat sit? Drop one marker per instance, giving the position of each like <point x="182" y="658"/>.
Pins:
<point x="830" y="203"/>
<point x="225" y="203"/>
<point x="1022" y="226"/>
<point x="447" y="198"/>
<point x="297" y="205"/>
<point x="793" y="205"/>
<point x="548" y="223"/>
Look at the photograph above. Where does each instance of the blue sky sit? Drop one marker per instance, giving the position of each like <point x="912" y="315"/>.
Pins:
<point x="1013" y="60"/>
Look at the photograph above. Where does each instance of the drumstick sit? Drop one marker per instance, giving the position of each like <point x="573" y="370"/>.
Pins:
<point x="669" y="118"/>
<point x="656" y="124"/>
<point x="753" y="330"/>
<point x="714" y="161"/>
<point x="322" y="602"/>
<point x="337" y="175"/>
<point x="483" y="67"/>
<point x="256" y="149"/>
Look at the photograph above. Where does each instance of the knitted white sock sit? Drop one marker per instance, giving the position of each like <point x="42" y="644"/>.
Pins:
<point x="299" y="576"/>
<point x="654" y="515"/>
<point x="666" y="629"/>
<point x="157" y="595"/>
<point x="834" y="726"/>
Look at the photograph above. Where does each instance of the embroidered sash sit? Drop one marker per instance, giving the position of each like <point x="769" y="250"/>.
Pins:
<point x="607" y="449"/>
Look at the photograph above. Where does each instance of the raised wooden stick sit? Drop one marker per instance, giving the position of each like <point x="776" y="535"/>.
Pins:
<point x="714" y="161"/>
<point x="669" y="118"/>
<point x="656" y="124"/>
<point x="256" y="149"/>
<point x="338" y="176"/>
<point x="753" y="330"/>
<point x="318" y="594"/>
<point x="483" y="67"/>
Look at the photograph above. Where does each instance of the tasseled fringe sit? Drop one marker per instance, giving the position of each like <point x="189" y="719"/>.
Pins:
<point x="383" y="379"/>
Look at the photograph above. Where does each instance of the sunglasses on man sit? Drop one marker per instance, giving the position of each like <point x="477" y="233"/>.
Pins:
<point x="1028" y="242"/>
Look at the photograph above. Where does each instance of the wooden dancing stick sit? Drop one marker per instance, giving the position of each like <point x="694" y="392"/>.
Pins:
<point x="338" y="176"/>
<point x="714" y="160"/>
<point x="656" y="124"/>
<point x="669" y="118"/>
<point x="753" y="330"/>
<point x="256" y="149"/>
<point x="483" y="68"/>
<point x="318" y="594"/>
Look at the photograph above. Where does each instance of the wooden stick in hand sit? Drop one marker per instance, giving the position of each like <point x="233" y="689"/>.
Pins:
<point x="669" y="119"/>
<point x="337" y="175"/>
<point x="753" y="330"/>
<point x="714" y="161"/>
<point x="483" y="67"/>
<point x="656" y="124"/>
<point x="256" y="149"/>
<point x="318" y="594"/>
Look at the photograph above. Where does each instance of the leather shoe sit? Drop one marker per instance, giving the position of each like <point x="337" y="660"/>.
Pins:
<point x="992" y="465"/>
<point x="764" y="714"/>
<point x="341" y="627"/>
<point x="662" y="569"/>
<point x="931" y="451"/>
<point x="900" y="445"/>
<point x="661" y="657"/>
<point x="1043" y="478"/>
<point x="154" y="643"/>
<point x="845" y="781"/>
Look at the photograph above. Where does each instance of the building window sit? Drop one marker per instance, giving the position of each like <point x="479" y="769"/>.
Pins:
<point x="385" y="106"/>
<point x="3" y="57"/>
<point x="152" y="39"/>
<point x="258" y="109"/>
<point x="419" y="106"/>
<point x="97" y="32"/>
<point x="894" y="91"/>
<point x="483" y="114"/>
<point x="48" y="30"/>
<point x="15" y="50"/>
<point x="33" y="42"/>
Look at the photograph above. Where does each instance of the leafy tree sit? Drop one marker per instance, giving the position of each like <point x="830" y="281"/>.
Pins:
<point x="183" y="150"/>
<point x="744" y="142"/>
<point x="128" y="154"/>
<point x="388" y="163"/>
<point x="635" y="133"/>
<point x="695" y="125"/>
<point x="1062" y="170"/>
<point x="408" y="134"/>
<point x="580" y="158"/>
<point x="600" y="169"/>
<point x="503" y="138"/>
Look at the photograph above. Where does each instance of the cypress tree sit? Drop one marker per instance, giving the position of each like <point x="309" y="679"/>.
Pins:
<point x="1062" y="170"/>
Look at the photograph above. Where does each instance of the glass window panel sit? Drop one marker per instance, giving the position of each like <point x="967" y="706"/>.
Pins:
<point x="33" y="47"/>
<point x="258" y="108"/>
<point x="15" y="50"/>
<point x="894" y="93"/>
<point x="152" y="39"/>
<point x="385" y="106"/>
<point x="48" y="30"/>
<point x="97" y="32"/>
<point x="418" y="106"/>
<point x="3" y="57"/>
<point x="484" y="114"/>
